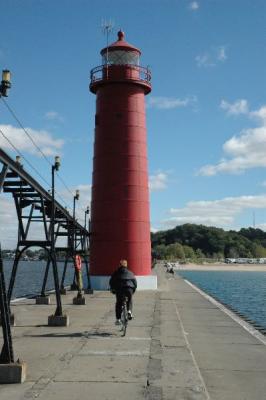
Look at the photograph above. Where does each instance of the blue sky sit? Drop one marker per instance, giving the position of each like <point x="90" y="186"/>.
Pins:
<point x="206" y="115"/>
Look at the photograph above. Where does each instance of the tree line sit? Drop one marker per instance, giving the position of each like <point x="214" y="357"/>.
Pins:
<point x="191" y="241"/>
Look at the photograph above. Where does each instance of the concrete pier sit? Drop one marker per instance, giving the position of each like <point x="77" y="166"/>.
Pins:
<point x="178" y="346"/>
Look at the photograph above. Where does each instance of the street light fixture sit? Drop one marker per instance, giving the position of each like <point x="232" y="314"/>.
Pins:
<point x="6" y="82"/>
<point x="87" y="212"/>
<point x="76" y="197"/>
<point x="57" y="163"/>
<point x="18" y="161"/>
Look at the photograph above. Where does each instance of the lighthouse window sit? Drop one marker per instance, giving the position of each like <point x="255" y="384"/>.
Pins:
<point x="120" y="57"/>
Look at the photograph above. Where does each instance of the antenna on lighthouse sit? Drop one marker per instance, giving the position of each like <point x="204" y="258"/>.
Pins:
<point x="107" y="28"/>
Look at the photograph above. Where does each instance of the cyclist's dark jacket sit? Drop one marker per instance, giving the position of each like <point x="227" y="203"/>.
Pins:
<point x="121" y="279"/>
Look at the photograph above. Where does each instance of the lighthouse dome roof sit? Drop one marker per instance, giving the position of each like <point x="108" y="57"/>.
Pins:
<point x="121" y="44"/>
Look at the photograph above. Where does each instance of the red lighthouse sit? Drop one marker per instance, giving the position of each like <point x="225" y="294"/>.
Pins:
<point x="120" y="222"/>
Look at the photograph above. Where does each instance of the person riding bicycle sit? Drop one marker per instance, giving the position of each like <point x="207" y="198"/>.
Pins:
<point x="123" y="284"/>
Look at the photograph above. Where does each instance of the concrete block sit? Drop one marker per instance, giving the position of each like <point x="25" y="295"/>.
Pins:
<point x="88" y="291"/>
<point x="58" y="320"/>
<point x="79" y="300"/>
<point x="147" y="282"/>
<point x="63" y="291"/>
<point x="12" y="320"/>
<point x="46" y="300"/>
<point x="13" y="373"/>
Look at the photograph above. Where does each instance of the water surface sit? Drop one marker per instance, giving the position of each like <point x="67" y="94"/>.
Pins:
<point x="30" y="276"/>
<point x="243" y="291"/>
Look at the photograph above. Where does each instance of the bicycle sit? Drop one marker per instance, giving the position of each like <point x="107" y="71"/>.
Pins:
<point x="124" y="316"/>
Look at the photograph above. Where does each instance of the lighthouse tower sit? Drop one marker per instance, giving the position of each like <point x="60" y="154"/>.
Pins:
<point x="120" y="221"/>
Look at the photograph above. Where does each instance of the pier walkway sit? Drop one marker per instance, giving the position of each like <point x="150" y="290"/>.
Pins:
<point x="180" y="346"/>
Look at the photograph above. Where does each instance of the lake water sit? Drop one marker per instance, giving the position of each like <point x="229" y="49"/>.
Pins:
<point x="30" y="276"/>
<point x="245" y="291"/>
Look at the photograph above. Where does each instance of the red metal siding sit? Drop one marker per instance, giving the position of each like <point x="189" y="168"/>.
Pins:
<point x="120" y="221"/>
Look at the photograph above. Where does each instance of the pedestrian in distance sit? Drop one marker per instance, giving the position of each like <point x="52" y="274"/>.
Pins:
<point x="123" y="284"/>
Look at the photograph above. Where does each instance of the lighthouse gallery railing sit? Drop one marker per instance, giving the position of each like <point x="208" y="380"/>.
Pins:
<point x="142" y="73"/>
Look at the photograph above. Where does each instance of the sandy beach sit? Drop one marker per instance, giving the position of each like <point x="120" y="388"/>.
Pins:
<point x="222" y="267"/>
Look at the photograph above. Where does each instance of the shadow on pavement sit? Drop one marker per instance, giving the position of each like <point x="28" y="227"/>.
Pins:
<point x="75" y="334"/>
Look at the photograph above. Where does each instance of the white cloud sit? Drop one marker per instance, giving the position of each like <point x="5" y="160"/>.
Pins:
<point x="261" y="226"/>
<point x="220" y="213"/>
<point x="211" y="58"/>
<point x="221" y="53"/>
<point x="204" y="60"/>
<point x="245" y="151"/>
<point x="53" y="116"/>
<point x="166" y="103"/>
<point x="8" y="218"/>
<point x="260" y="115"/>
<point x="158" y="182"/>
<point x="194" y="6"/>
<point x="47" y="143"/>
<point x="238" y="107"/>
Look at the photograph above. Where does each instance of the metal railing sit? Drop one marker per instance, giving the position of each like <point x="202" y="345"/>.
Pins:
<point x="134" y="72"/>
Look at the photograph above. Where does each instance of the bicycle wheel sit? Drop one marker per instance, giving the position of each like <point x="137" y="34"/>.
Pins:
<point x="124" y="319"/>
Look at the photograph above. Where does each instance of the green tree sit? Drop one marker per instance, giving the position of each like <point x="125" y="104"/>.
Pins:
<point x="211" y="241"/>
<point x="259" y="251"/>
<point x="175" y="252"/>
<point x="189" y="252"/>
<point x="160" y="251"/>
<point x="218" y="256"/>
<point x="199" y="254"/>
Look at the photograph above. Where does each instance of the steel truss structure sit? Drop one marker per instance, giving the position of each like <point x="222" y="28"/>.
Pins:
<point x="7" y="353"/>
<point x="34" y="205"/>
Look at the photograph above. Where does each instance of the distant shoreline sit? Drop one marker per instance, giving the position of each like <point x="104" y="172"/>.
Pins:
<point x="221" y="267"/>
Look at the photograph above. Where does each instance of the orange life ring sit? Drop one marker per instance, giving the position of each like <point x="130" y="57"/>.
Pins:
<point x="78" y="262"/>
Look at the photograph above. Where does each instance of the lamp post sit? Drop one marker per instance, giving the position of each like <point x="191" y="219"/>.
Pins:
<point x="55" y="167"/>
<point x="89" y="290"/>
<point x="77" y="280"/>
<point x="74" y="285"/>
<point x="87" y="212"/>
<point x="76" y="197"/>
<point x="9" y="373"/>
<point x="57" y="319"/>
<point x="5" y="83"/>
